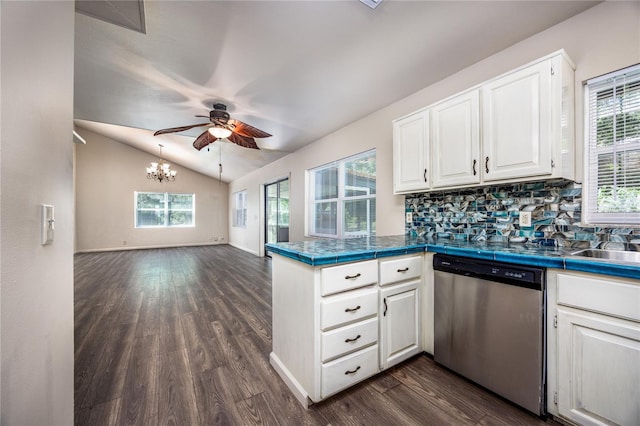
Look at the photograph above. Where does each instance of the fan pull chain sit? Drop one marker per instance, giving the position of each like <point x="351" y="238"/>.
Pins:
<point x="220" y="166"/>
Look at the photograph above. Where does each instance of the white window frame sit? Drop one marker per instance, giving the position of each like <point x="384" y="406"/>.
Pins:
<point x="590" y="214"/>
<point x="240" y="209"/>
<point x="165" y="209"/>
<point x="339" y="200"/>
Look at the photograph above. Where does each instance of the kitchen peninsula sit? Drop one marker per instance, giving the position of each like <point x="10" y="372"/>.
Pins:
<point x="345" y="310"/>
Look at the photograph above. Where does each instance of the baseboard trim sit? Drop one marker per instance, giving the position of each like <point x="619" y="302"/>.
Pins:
<point x="289" y="380"/>
<point x="244" y="249"/>
<point x="148" y="247"/>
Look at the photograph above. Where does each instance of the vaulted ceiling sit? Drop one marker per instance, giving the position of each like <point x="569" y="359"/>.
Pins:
<point x="296" y="69"/>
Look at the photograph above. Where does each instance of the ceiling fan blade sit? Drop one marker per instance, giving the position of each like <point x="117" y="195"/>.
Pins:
<point x="178" y="129"/>
<point x="203" y="140"/>
<point x="246" y="130"/>
<point x="243" y="141"/>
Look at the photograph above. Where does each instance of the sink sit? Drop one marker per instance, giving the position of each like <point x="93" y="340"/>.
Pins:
<point x="613" y="255"/>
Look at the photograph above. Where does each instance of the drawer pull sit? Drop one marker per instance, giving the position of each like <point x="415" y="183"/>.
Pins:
<point x="352" y="340"/>
<point x="351" y="277"/>
<point x="404" y="269"/>
<point x="352" y="309"/>
<point x="352" y="371"/>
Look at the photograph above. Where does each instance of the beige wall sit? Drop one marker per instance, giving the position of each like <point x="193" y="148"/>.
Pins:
<point x="36" y="281"/>
<point x="594" y="52"/>
<point x="107" y="174"/>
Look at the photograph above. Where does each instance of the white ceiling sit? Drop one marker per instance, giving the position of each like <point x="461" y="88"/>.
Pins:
<point x="296" y="69"/>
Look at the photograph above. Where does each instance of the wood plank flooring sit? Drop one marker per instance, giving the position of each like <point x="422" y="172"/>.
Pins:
<point x="182" y="336"/>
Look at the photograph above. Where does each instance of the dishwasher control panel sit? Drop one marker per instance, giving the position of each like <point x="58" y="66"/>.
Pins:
<point x="523" y="276"/>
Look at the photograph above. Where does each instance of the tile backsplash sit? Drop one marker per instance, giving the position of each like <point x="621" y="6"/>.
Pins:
<point x="491" y="214"/>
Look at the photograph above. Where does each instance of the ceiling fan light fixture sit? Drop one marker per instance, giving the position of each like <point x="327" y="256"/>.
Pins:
<point x="220" y="132"/>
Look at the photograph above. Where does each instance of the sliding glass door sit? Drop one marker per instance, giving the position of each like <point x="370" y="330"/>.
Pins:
<point x="276" y="198"/>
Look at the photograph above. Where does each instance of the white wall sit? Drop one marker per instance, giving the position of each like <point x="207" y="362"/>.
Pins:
<point x="36" y="282"/>
<point x="107" y="174"/>
<point x="595" y="51"/>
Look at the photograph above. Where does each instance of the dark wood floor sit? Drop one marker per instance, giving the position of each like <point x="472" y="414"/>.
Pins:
<point x="182" y="336"/>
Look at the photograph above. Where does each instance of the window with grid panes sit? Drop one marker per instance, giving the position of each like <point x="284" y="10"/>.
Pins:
<point x="342" y="197"/>
<point x="163" y="209"/>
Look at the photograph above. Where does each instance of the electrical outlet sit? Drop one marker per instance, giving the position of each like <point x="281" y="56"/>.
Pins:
<point x="525" y="219"/>
<point x="409" y="217"/>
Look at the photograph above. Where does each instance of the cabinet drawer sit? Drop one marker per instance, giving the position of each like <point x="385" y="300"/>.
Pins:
<point x="349" y="338"/>
<point x="336" y="279"/>
<point x="392" y="271"/>
<point x="608" y="296"/>
<point x="348" y="370"/>
<point x="344" y="309"/>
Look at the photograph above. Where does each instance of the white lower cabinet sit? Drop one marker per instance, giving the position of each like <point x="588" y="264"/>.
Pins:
<point x="349" y="338"/>
<point x="331" y="324"/>
<point x="594" y="348"/>
<point x="399" y="323"/>
<point x="349" y="370"/>
<point x="598" y="369"/>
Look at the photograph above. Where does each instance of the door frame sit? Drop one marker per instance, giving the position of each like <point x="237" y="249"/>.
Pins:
<point x="263" y="210"/>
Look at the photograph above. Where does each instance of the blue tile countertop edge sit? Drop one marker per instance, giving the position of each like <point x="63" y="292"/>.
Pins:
<point x="329" y="251"/>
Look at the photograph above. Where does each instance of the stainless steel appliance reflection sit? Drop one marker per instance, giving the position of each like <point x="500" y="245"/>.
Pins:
<point x="489" y="326"/>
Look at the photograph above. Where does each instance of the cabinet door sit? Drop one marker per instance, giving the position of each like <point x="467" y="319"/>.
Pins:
<point x="598" y="368"/>
<point x="399" y="323"/>
<point x="455" y="141"/>
<point x="411" y="153"/>
<point x="516" y="124"/>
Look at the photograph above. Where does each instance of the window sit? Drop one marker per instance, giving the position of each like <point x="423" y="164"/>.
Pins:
<point x="342" y="197"/>
<point x="612" y="170"/>
<point x="240" y="209"/>
<point x="162" y="209"/>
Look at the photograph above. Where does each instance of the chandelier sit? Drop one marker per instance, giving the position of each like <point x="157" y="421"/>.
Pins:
<point x="161" y="171"/>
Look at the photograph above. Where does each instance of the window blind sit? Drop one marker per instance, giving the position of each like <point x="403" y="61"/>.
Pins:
<point x="612" y="176"/>
<point x="240" y="209"/>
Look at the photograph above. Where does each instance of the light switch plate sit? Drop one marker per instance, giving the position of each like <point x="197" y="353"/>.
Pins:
<point x="409" y="217"/>
<point x="525" y="219"/>
<point x="48" y="224"/>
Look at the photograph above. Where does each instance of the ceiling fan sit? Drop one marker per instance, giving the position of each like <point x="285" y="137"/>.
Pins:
<point x="221" y="126"/>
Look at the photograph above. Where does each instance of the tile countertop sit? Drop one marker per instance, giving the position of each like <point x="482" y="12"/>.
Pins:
<point x="331" y="251"/>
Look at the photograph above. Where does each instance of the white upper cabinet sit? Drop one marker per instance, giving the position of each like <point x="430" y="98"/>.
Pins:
<point x="411" y="153"/>
<point x="455" y="140"/>
<point x="514" y="127"/>
<point x="517" y="137"/>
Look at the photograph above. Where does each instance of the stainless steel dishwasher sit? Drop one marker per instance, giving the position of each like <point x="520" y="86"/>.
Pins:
<point x="490" y="326"/>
